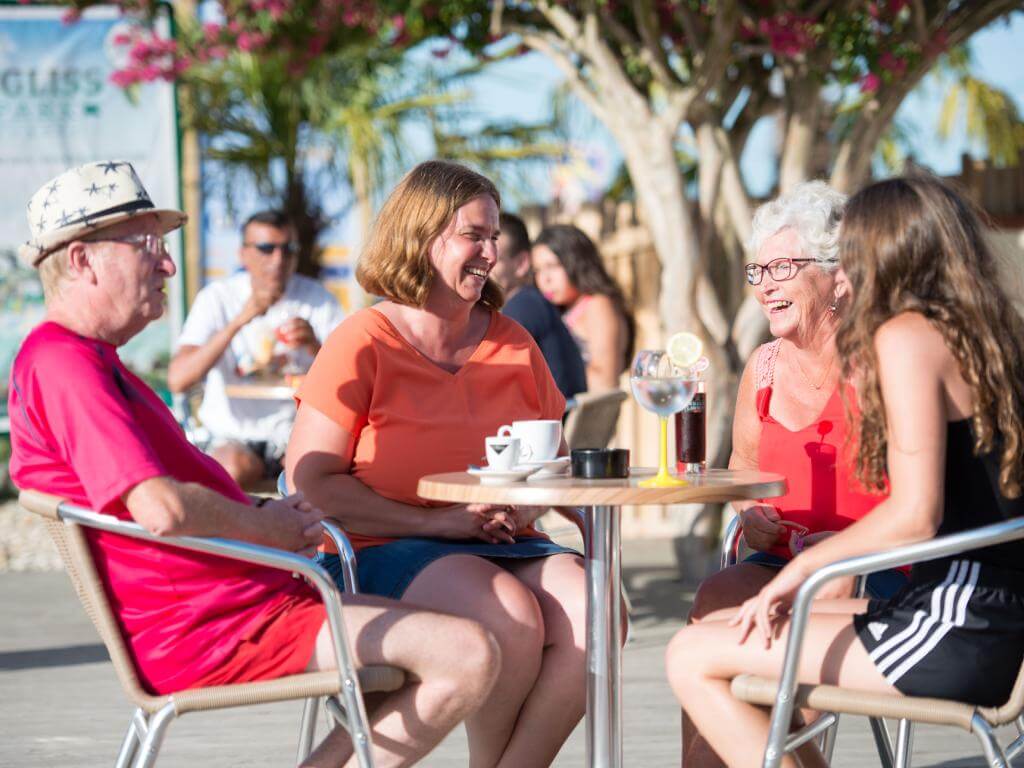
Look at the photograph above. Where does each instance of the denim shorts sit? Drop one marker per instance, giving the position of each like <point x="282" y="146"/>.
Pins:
<point x="881" y="584"/>
<point x="388" y="569"/>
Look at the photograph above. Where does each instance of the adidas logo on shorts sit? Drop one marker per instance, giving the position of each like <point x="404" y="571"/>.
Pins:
<point x="877" y="629"/>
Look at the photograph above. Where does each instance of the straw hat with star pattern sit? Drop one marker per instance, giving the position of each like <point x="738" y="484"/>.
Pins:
<point x="86" y="199"/>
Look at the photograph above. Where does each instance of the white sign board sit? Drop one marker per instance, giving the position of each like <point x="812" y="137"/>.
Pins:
<point x="59" y="109"/>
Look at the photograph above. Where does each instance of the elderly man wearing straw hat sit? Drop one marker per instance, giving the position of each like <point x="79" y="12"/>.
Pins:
<point x="85" y="428"/>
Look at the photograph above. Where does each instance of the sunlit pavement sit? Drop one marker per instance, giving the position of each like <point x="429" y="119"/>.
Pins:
<point x="60" y="704"/>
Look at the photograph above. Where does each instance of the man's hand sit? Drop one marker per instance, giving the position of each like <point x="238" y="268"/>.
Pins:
<point x="761" y="526"/>
<point x="262" y="298"/>
<point x="294" y="524"/>
<point x="296" y="332"/>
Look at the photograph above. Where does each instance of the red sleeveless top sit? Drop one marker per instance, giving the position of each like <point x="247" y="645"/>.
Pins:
<point x="823" y="494"/>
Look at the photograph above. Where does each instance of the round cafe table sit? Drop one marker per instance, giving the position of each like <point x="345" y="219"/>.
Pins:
<point x="261" y="391"/>
<point x="600" y="501"/>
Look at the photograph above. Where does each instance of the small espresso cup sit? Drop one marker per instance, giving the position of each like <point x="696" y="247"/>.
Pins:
<point x="595" y="463"/>
<point x="502" y="452"/>
<point x="540" y="438"/>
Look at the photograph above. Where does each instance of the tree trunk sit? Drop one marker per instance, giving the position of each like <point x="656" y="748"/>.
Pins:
<point x="803" y="116"/>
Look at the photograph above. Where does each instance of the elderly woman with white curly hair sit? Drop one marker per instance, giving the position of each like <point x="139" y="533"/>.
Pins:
<point x="789" y="414"/>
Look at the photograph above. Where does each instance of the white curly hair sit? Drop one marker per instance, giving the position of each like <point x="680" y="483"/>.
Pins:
<point x="813" y="210"/>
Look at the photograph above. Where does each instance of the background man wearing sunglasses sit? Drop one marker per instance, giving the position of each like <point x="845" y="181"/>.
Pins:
<point x="235" y="327"/>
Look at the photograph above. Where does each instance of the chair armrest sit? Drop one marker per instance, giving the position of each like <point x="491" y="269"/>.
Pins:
<point x="731" y="542"/>
<point x="347" y="555"/>
<point x="989" y="535"/>
<point x="250" y="553"/>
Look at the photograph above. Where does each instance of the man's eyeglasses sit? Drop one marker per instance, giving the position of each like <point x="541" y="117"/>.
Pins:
<point x="152" y="244"/>
<point x="267" y="249"/>
<point x="777" y="269"/>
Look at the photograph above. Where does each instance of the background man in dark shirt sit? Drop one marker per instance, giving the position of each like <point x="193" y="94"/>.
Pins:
<point x="525" y="304"/>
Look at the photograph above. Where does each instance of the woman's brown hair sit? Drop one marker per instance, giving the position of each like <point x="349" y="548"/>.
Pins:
<point x="395" y="262"/>
<point x="914" y="245"/>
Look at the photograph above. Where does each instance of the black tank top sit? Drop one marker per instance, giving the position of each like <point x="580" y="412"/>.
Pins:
<point x="973" y="498"/>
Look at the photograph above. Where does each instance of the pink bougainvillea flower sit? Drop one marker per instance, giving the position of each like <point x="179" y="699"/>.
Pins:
<point x="892" y="63"/>
<point x="123" y="78"/>
<point x="870" y="83"/>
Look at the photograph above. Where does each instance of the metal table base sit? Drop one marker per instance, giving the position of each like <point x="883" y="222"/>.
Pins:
<point x="602" y="526"/>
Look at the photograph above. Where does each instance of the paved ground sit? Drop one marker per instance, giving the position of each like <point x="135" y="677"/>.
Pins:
<point x="60" y="704"/>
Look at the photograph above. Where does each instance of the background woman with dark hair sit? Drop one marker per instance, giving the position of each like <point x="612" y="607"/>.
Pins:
<point x="570" y="274"/>
<point x="937" y="352"/>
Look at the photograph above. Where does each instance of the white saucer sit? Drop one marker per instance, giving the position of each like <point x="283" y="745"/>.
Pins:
<point x="501" y="475"/>
<point x="548" y="468"/>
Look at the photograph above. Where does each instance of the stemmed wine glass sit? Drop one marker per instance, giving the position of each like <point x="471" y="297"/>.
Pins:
<point x="665" y="389"/>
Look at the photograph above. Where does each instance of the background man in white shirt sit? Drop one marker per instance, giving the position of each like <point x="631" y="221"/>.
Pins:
<point x="244" y="323"/>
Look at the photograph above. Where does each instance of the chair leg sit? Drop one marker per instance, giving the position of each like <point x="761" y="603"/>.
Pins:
<point x="828" y="740"/>
<point x="337" y="712"/>
<point x="131" y="741"/>
<point x="1016" y="746"/>
<point x="904" y="743"/>
<point x="154" y="738"/>
<point x="993" y="752"/>
<point x="882" y="741"/>
<point x="307" y="729"/>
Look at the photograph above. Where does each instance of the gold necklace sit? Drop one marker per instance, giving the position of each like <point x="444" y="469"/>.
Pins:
<point x="806" y="378"/>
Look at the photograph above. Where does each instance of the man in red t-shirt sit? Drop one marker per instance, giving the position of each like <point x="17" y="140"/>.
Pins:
<point x="87" y="429"/>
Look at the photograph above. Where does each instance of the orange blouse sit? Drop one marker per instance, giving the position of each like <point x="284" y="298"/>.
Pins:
<point x="411" y="418"/>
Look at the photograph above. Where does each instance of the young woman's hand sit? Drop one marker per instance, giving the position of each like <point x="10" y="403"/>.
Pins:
<point x="763" y="613"/>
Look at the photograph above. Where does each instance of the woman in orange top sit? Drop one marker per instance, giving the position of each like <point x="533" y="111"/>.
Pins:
<point x="411" y="387"/>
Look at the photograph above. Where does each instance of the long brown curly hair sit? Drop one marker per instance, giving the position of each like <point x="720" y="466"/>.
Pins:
<point x="914" y="245"/>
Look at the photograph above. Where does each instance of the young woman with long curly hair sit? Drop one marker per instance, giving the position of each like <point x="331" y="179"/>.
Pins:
<point x="937" y="352"/>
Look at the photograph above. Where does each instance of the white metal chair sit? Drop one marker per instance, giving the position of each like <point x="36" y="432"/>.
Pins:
<point x="590" y="422"/>
<point x="350" y="580"/>
<point x="154" y="713"/>
<point x="785" y="694"/>
<point x="826" y="727"/>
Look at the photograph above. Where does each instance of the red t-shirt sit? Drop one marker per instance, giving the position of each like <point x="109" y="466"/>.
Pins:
<point x="411" y="418"/>
<point x="823" y="493"/>
<point x="85" y="428"/>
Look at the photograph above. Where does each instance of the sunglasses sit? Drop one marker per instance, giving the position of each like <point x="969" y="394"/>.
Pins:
<point x="267" y="249"/>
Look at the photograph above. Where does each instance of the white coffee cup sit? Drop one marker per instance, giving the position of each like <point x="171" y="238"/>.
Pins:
<point x="541" y="438"/>
<point x="502" y="452"/>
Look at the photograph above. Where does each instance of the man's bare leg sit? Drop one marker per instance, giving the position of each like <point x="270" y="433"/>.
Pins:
<point x="450" y="663"/>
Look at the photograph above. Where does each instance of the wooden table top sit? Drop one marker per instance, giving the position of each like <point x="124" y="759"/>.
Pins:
<point x="262" y="390"/>
<point x="714" y="485"/>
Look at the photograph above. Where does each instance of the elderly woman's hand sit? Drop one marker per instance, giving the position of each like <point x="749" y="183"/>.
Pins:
<point x="761" y="526"/>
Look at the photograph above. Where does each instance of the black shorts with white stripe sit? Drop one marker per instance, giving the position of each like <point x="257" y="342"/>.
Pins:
<point x="956" y="631"/>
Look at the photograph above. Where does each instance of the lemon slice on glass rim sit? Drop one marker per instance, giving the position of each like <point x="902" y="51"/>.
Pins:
<point x="684" y="349"/>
